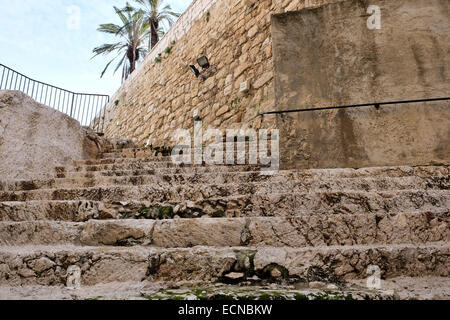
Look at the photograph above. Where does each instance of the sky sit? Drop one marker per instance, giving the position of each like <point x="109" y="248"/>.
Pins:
<point x="52" y="41"/>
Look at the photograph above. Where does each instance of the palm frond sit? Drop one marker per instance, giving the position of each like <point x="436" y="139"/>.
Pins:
<point x="133" y="31"/>
<point x="159" y="13"/>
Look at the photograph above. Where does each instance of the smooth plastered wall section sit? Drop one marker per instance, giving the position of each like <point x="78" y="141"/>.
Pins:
<point x="340" y="61"/>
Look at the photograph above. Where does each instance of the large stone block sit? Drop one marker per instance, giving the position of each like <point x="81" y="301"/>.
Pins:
<point x="34" y="139"/>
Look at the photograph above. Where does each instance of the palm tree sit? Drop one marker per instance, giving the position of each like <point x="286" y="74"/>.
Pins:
<point x="156" y="13"/>
<point x="132" y="33"/>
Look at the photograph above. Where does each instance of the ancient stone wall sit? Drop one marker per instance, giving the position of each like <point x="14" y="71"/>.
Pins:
<point x="328" y="56"/>
<point x="324" y="54"/>
<point x="235" y="35"/>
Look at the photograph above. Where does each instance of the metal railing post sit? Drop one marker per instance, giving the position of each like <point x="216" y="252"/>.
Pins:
<point x="71" y="107"/>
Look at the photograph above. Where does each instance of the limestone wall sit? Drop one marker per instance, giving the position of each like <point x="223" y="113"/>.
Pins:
<point x="327" y="56"/>
<point x="235" y="35"/>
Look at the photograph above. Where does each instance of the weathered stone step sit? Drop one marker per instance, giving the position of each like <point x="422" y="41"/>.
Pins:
<point x="82" y="211"/>
<point x="38" y="265"/>
<point x="203" y="168"/>
<point x="161" y="166"/>
<point x="107" y="205"/>
<point x="147" y="152"/>
<point x="152" y="155"/>
<point x="157" y="161"/>
<point x="199" y="291"/>
<point x="425" y="172"/>
<point x="143" y="169"/>
<point x="132" y="164"/>
<point x="327" y="203"/>
<point x="302" y="231"/>
<point x="403" y="288"/>
<point x="282" y="182"/>
<point x="101" y="161"/>
<point x="244" y="196"/>
<point x="76" y="211"/>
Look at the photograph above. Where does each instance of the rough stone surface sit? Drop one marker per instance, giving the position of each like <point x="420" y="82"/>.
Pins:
<point x="205" y="232"/>
<point x="42" y="264"/>
<point x="101" y="265"/>
<point x="34" y="139"/>
<point x="129" y="232"/>
<point x="428" y="288"/>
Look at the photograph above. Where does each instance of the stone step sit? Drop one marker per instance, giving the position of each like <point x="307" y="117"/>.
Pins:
<point x="403" y="288"/>
<point x="107" y="205"/>
<point x="162" y="165"/>
<point x="425" y="172"/>
<point x="101" y="161"/>
<point x="399" y="288"/>
<point x="136" y="164"/>
<point x="82" y="211"/>
<point x="151" y="168"/>
<point x="162" y="291"/>
<point x="241" y="197"/>
<point x="281" y="182"/>
<point x="159" y="161"/>
<point x="147" y="165"/>
<point x="147" y="152"/>
<point x="302" y="231"/>
<point x="76" y="211"/>
<point x="50" y="266"/>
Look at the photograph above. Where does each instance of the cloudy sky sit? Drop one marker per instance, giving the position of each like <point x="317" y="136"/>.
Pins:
<point x="42" y="39"/>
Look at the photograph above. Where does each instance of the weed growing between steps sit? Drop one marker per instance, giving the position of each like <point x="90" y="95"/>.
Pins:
<point x="163" y="212"/>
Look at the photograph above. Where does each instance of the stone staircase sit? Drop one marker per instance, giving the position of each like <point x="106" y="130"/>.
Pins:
<point x="130" y="219"/>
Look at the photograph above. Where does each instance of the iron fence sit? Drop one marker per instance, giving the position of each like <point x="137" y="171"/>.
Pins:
<point x="88" y="109"/>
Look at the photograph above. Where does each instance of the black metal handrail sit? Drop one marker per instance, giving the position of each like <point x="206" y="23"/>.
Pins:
<point x="373" y="104"/>
<point x="88" y="109"/>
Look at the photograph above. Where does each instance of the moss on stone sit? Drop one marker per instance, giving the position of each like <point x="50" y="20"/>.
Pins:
<point x="218" y="214"/>
<point x="166" y="212"/>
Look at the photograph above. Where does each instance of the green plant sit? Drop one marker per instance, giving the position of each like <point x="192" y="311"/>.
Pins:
<point x="208" y="16"/>
<point x="158" y="59"/>
<point x="166" y="213"/>
<point x="144" y="210"/>
<point x="168" y="50"/>
<point x="116" y="102"/>
<point x="218" y="214"/>
<point x="94" y="299"/>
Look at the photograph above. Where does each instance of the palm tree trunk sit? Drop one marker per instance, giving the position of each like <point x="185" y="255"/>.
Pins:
<point x="132" y="66"/>
<point x="154" y="38"/>
<point x="150" y="38"/>
<point x="133" y="62"/>
<point x="131" y="55"/>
